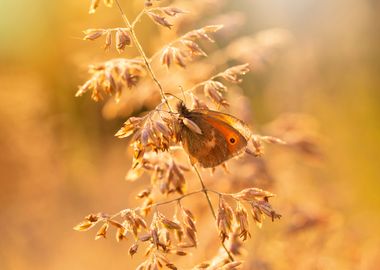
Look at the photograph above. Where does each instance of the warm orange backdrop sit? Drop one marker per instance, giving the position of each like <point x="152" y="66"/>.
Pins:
<point x="59" y="159"/>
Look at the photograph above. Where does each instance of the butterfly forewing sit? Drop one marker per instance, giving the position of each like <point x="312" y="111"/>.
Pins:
<point x="232" y="121"/>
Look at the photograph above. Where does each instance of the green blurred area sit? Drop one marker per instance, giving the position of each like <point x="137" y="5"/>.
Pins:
<point x="59" y="157"/>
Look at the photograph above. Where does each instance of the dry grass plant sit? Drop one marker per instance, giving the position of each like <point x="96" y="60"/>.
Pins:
<point x="157" y="142"/>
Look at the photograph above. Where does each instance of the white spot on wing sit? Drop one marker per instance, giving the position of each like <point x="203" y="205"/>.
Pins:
<point x="211" y="143"/>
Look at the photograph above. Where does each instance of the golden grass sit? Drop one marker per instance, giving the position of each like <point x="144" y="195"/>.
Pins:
<point x="161" y="132"/>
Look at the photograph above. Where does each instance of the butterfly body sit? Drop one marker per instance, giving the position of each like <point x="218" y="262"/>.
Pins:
<point x="222" y="136"/>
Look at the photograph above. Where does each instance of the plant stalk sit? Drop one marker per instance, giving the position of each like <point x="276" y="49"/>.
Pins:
<point x="143" y="55"/>
<point x="163" y="96"/>
<point x="204" y="189"/>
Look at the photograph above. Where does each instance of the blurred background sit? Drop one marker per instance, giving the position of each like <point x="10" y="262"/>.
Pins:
<point x="59" y="159"/>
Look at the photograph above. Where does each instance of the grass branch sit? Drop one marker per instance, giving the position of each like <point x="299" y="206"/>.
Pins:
<point x="205" y="191"/>
<point x="163" y="96"/>
<point x="177" y="199"/>
<point x="142" y="53"/>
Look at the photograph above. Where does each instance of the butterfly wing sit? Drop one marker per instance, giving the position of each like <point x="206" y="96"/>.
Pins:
<point x="232" y="121"/>
<point x="223" y="137"/>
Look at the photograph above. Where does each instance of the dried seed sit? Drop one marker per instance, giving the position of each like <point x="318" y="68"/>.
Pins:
<point x="165" y="131"/>
<point x="257" y="216"/>
<point x="84" y="88"/>
<point x="169" y="224"/>
<point x="212" y="91"/>
<point x="92" y="34"/>
<point x="145" y="133"/>
<point x="217" y="86"/>
<point x="202" y="32"/>
<point x="108" y="40"/>
<point x="224" y="219"/>
<point x="267" y="209"/>
<point x="203" y="265"/>
<point x="84" y="226"/>
<point x="180" y="253"/>
<point x="120" y="234"/>
<point x="190" y="222"/>
<point x="172" y="11"/>
<point x="140" y="222"/>
<point x="154" y="234"/>
<point x="188" y="213"/>
<point x="101" y="233"/>
<point x="232" y="74"/>
<point x="190" y="233"/>
<point x="253" y="194"/>
<point x="145" y="237"/>
<point x="178" y="235"/>
<point x="115" y="223"/>
<point x="122" y="39"/>
<point x="212" y="28"/>
<point x="93" y="6"/>
<point x="159" y="19"/>
<point x="241" y="217"/>
<point x="171" y="266"/>
<point x="167" y="56"/>
<point x="180" y="182"/>
<point x="109" y="84"/>
<point x="179" y="57"/>
<point x="193" y="47"/>
<point x="133" y="249"/>
<point x="129" y="127"/>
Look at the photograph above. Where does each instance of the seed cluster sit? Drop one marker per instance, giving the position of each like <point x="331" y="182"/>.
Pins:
<point x="111" y="77"/>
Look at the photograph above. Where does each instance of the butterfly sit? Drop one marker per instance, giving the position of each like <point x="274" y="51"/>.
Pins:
<point x="210" y="137"/>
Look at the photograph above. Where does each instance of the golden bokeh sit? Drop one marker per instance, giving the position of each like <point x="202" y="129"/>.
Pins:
<point x="315" y="69"/>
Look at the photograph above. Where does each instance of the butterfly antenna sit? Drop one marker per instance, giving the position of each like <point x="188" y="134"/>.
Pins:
<point x="181" y="101"/>
<point x="172" y="95"/>
<point x="159" y="110"/>
<point x="183" y="93"/>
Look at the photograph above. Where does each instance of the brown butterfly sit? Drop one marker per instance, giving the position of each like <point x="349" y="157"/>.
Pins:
<point x="210" y="137"/>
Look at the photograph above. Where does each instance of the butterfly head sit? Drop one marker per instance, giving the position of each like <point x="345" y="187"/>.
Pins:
<point x="182" y="109"/>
